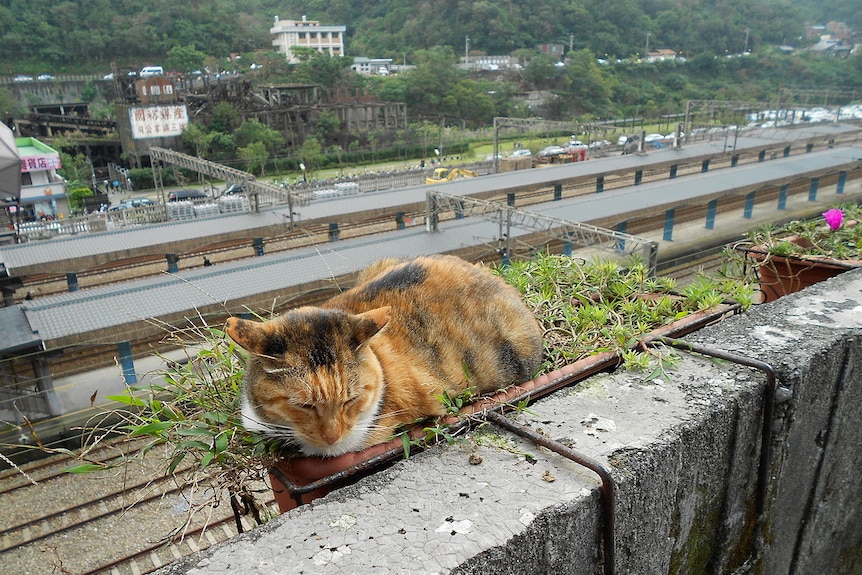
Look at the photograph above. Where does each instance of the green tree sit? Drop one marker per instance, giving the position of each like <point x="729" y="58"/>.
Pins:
<point x="541" y="71"/>
<point x="89" y="92"/>
<point x="273" y="67"/>
<point x="185" y="59"/>
<point x="327" y="126"/>
<point x="76" y="169"/>
<point x="222" y="146"/>
<point x="254" y="155"/>
<point x="589" y="87"/>
<point x="9" y="106"/>
<point x="225" y="118"/>
<point x="392" y="89"/>
<point x="253" y="130"/>
<point x="319" y="68"/>
<point x="196" y="137"/>
<point x="76" y="198"/>
<point x="429" y="83"/>
<point x="470" y="101"/>
<point x="311" y="153"/>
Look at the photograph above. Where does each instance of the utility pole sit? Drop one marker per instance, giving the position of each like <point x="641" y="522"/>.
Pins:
<point x="745" y="49"/>
<point x="466" y="49"/>
<point x="646" y="52"/>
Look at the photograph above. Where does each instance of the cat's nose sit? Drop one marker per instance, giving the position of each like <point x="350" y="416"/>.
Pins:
<point x="332" y="434"/>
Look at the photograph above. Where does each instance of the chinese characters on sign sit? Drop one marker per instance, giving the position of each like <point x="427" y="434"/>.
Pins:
<point x="41" y="162"/>
<point x="158" y="121"/>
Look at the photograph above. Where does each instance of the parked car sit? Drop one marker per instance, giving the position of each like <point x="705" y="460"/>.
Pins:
<point x="186" y="195"/>
<point x="522" y="152"/>
<point x="148" y="71"/>
<point x="599" y="144"/>
<point x="22" y="78"/>
<point x="137" y="202"/>
<point x="45" y="77"/>
<point x="550" y="151"/>
<point x="234" y="189"/>
<point x="650" y="138"/>
<point x="119" y="207"/>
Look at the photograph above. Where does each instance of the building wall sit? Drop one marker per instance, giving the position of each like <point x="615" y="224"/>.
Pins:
<point x="291" y="34"/>
<point x="43" y="192"/>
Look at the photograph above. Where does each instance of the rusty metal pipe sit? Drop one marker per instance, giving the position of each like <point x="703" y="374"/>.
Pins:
<point x="607" y="499"/>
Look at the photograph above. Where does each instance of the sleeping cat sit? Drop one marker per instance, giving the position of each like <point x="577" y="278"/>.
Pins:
<point x="343" y="376"/>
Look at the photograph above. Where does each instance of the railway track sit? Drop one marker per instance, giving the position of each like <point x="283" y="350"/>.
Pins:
<point x="54" y="467"/>
<point x="114" y="522"/>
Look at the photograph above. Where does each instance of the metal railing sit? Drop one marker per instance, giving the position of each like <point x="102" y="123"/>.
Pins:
<point x="576" y="233"/>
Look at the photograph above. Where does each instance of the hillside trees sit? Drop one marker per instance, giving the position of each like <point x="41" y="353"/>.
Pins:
<point x="428" y="84"/>
<point x="86" y="35"/>
<point x="587" y="87"/>
<point x="185" y="59"/>
<point x="253" y="131"/>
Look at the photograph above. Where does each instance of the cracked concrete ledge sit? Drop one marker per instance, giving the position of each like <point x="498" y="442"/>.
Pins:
<point x="683" y="450"/>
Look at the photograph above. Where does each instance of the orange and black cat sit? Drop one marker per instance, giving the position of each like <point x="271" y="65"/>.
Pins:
<point x="343" y="376"/>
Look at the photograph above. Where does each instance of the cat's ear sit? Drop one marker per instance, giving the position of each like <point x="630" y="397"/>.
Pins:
<point x="371" y="322"/>
<point x="248" y="334"/>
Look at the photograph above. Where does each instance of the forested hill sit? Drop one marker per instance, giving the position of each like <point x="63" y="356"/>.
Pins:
<point x="86" y="35"/>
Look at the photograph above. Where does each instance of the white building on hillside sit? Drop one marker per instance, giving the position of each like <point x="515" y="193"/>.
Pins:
<point x="292" y="34"/>
<point x="371" y="66"/>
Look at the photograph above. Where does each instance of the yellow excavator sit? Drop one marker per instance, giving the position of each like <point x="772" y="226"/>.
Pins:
<point x="440" y="175"/>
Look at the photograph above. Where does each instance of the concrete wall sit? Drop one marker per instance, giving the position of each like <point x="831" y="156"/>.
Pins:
<point x="683" y="450"/>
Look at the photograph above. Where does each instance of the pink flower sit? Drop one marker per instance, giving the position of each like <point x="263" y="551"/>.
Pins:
<point x="834" y="218"/>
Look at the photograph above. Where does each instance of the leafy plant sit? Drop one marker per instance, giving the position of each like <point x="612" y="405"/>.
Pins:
<point x="192" y="408"/>
<point x="454" y="404"/>
<point x="781" y="253"/>
<point x="587" y="307"/>
<point x="835" y="235"/>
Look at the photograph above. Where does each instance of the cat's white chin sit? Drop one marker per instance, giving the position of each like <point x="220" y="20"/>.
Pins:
<point x="354" y="441"/>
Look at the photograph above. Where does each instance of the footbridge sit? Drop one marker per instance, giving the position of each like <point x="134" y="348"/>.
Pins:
<point x="259" y="193"/>
<point x="568" y="232"/>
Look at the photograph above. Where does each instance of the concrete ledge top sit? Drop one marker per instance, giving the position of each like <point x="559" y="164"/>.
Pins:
<point x="792" y="326"/>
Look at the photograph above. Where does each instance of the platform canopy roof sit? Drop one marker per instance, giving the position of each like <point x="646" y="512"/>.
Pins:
<point x="10" y="164"/>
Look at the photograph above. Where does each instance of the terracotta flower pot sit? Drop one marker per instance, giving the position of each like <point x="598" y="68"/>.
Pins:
<point x="783" y="275"/>
<point x="299" y="480"/>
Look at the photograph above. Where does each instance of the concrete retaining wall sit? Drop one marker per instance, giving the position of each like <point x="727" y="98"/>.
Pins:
<point x="683" y="450"/>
